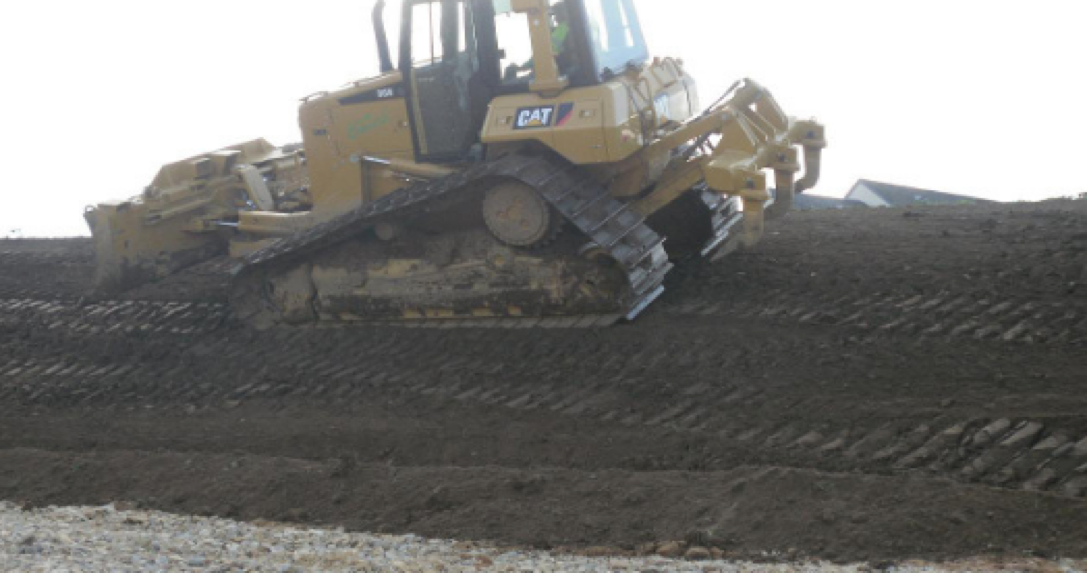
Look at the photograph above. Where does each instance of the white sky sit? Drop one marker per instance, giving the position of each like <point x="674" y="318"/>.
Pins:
<point x="982" y="97"/>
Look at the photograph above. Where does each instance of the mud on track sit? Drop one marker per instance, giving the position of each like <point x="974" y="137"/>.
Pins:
<point x="867" y="385"/>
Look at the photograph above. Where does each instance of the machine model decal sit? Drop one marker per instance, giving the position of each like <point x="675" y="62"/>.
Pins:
<point x="535" y="117"/>
<point x="380" y="94"/>
<point x="566" y="111"/>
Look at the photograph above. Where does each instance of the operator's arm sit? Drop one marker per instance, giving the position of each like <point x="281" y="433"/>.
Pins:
<point x="559" y="37"/>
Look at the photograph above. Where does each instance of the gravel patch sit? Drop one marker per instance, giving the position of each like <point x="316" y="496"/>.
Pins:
<point x="108" y="539"/>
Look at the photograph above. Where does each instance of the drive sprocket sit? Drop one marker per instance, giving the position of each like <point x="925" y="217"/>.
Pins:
<point x="517" y="215"/>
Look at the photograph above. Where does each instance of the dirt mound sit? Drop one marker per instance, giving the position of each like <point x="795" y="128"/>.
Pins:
<point x="45" y="268"/>
<point x="1007" y="272"/>
<point x="63" y="269"/>
<point x="868" y="385"/>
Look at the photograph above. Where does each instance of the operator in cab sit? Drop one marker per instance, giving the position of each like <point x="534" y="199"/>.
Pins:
<point x="561" y="28"/>
<point x="560" y="34"/>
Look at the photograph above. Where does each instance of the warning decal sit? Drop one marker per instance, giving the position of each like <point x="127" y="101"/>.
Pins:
<point x="566" y="111"/>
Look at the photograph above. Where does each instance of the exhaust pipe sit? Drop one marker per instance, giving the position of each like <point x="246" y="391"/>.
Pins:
<point x="382" y="38"/>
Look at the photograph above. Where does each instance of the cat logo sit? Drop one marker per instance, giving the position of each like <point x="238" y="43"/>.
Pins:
<point x="534" y="117"/>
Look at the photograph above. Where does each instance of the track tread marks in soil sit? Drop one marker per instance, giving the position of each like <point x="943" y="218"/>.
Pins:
<point x="1000" y="453"/>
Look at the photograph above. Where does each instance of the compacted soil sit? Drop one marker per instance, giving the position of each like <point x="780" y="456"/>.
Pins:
<point x="865" y="386"/>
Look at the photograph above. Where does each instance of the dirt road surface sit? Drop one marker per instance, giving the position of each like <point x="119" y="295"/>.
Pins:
<point x="866" y="386"/>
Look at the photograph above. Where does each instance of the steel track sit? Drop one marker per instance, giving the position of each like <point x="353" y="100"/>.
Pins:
<point x="606" y="222"/>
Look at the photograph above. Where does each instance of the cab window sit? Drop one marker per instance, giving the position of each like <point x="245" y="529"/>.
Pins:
<point x="615" y="35"/>
<point x="437" y="36"/>
<point x="515" y="43"/>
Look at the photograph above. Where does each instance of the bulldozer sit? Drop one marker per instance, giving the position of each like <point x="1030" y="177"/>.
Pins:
<point x="523" y="163"/>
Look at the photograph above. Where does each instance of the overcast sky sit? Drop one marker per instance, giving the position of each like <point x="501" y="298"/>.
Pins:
<point x="982" y="97"/>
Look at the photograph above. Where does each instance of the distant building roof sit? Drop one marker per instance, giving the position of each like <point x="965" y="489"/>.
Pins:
<point x="876" y="194"/>
<point x="809" y="202"/>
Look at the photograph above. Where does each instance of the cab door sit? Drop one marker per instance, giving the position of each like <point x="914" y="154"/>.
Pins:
<point x="438" y="59"/>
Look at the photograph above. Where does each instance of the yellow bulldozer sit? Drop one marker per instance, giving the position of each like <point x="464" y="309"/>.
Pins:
<point x="523" y="163"/>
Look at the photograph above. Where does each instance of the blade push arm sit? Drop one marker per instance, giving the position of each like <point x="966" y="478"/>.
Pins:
<point x="751" y="135"/>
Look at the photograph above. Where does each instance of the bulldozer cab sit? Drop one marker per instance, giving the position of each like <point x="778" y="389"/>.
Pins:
<point x="457" y="55"/>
